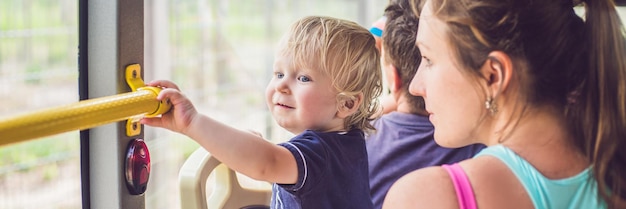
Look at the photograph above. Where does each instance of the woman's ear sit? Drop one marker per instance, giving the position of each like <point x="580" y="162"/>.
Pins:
<point x="348" y="105"/>
<point x="497" y="72"/>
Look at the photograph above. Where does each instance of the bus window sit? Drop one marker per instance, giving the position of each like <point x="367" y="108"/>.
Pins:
<point x="38" y="69"/>
<point x="220" y="51"/>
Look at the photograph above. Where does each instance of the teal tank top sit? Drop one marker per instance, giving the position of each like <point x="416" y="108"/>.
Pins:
<point x="579" y="191"/>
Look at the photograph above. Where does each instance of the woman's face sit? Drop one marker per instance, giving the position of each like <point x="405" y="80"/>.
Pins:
<point x="451" y="95"/>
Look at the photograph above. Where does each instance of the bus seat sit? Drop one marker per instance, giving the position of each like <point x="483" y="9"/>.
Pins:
<point x="227" y="193"/>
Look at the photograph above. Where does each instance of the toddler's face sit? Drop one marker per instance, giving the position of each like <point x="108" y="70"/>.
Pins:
<point x="301" y="99"/>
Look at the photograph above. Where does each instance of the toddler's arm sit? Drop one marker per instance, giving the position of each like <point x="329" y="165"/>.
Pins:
<point x="240" y="150"/>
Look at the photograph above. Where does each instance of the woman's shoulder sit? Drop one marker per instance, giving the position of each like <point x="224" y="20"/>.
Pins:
<point x="432" y="187"/>
<point x="429" y="187"/>
<point x="490" y="177"/>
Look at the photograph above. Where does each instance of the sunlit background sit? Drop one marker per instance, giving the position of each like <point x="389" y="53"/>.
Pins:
<point x="220" y="52"/>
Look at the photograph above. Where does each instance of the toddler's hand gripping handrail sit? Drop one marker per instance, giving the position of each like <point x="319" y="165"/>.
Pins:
<point x="85" y="114"/>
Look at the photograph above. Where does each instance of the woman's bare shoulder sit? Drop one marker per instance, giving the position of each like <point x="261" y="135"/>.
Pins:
<point x="432" y="187"/>
<point x="429" y="187"/>
<point x="490" y="178"/>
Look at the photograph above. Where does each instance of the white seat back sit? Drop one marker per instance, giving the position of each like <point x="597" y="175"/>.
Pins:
<point x="226" y="191"/>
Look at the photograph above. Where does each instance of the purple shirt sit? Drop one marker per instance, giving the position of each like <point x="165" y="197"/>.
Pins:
<point x="403" y="143"/>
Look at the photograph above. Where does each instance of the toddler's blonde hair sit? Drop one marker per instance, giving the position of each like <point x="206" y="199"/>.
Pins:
<point x="346" y="52"/>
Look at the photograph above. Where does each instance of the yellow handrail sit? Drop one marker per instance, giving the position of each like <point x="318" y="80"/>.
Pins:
<point x="81" y="115"/>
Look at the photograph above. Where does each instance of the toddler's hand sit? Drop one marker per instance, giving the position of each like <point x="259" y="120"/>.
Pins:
<point x="181" y="113"/>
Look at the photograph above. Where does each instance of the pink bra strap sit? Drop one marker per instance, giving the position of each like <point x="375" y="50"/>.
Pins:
<point x="464" y="192"/>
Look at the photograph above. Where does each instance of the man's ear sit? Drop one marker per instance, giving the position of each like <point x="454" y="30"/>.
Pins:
<point x="393" y="77"/>
<point x="497" y="71"/>
<point x="348" y="105"/>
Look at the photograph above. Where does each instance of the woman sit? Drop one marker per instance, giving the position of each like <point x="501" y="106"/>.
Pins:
<point x="543" y="89"/>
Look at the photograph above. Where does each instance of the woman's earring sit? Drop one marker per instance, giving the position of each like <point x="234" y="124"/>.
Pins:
<point x="491" y="105"/>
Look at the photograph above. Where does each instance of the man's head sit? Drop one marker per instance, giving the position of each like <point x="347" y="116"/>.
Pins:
<point x="400" y="56"/>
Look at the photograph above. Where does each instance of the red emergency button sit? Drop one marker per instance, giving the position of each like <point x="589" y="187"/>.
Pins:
<point x="137" y="166"/>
